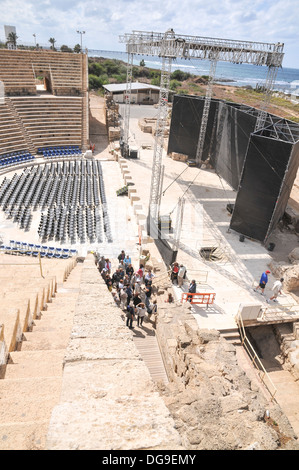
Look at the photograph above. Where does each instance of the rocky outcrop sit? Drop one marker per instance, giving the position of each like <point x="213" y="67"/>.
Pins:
<point x="214" y="404"/>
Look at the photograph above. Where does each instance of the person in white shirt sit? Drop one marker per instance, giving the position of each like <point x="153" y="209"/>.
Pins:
<point x="141" y="311"/>
<point x="277" y="287"/>
<point x="181" y="274"/>
<point x="149" y="277"/>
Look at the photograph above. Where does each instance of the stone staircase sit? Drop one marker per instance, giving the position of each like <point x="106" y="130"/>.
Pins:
<point x="32" y="382"/>
<point x="21" y="127"/>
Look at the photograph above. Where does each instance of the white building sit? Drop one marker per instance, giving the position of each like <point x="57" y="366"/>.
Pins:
<point x="141" y="93"/>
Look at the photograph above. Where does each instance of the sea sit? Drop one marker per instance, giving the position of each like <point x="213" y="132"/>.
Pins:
<point x="240" y="75"/>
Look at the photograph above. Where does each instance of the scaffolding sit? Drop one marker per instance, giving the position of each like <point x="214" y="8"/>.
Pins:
<point x="171" y="46"/>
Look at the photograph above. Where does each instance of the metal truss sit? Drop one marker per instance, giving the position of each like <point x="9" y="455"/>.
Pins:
<point x="196" y="47"/>
<point x="170" y="46"/>
<point x="179" y="222"/>
<point x="126" y="121"/>
<point x="280" y="129"/>
<point x="155" y="190"/>
<point x="268" y="87"/>
<point x="205" y="113"/>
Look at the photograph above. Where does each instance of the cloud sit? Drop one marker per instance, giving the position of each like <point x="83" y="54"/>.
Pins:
<point x="253" y="20"/>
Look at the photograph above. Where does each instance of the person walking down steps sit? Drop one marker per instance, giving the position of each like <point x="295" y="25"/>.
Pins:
<point x="263" y="282"/>
<point x="140" y="311"/>
<point x="277" y="287"/>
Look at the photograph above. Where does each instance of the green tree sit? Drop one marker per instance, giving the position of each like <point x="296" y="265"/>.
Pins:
<point x="155" y="81"/>
<point x="95" y="68"/>
<point x="96" y="82"/>
<point x="65" y="48"/>
<point x="77" y="48"/>
<point x="52" y="41"/>
<point x="180" y="75"/>
<point x="174" y="84"/>
<point x="142" y="63"/>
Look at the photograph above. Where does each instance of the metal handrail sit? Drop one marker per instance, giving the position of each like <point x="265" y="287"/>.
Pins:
<point x="263" y="374"/>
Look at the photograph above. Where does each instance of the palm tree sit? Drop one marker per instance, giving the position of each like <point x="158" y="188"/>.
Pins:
<point x="52" y="41"/>
<point x="12" y="38"/>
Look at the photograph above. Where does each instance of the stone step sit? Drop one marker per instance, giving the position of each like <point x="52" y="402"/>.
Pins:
<point x="20" y="436"/>
<point x="57" y="338"/>
<point x="231" y="335"/>
<point x="24" y="364"/>
<point x="29" y="399"/>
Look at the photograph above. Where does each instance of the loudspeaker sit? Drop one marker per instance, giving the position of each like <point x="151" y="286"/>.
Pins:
<point x="230" y="208"/>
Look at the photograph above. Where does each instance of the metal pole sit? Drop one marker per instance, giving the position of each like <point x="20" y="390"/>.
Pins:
<point x="40" y="265"/>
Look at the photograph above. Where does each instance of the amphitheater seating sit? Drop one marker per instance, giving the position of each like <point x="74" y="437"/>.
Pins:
<point x="65" y="70"/>
<point x="11" y="136"/>
<point x="63" y="151"/>
<point x="71" y="196"/>
<point x="19" y="69"/>
<point x="15" y="158"/>
<point x="16" y="73"/>
<point x="30" y="249"/>
<point x="51" y="121"/>
<point x="25" y="293"/>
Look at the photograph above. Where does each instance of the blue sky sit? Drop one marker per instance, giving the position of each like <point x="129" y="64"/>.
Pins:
<point x="103" y="21"/>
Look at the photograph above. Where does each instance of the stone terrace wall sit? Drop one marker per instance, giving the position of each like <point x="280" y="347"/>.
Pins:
<point x="108" y="398"/>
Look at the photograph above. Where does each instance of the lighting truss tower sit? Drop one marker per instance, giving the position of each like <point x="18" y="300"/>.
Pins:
<point x="156" y="182"/>
<point x="126" y="121"/>
<point x="170" y="46"/>
<point x="269" y="84"/>
<point x="205" y="113"/>
<point x="178" y="225"/>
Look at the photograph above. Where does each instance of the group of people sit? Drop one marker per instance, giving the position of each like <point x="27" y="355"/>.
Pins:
<point x="178" y="274"/>
<point x="131" y="290"/>
<point x="276" y="289"/>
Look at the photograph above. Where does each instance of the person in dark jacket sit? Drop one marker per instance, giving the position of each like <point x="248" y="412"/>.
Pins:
<point x="121" y="256"/>
<point x="129" y="293"/>
<point x="130" y="316"/>
<point x="191" y="290"/>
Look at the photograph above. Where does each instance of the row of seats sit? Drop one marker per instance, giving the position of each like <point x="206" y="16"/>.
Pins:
<point x="21" y="215"/>
<point x="31" y="249"/>
<point x="15" y="159"/>
<point x="72" y="193"/>
<point x="73" y="151"/>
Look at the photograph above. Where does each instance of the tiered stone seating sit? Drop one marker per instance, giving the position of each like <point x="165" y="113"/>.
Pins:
<point x="24" y="295"/>
<point x="11" y="136"/>
<point x="31" y="384"/>
<point x="65" y="70"/>
<point x="19" y="69"/>
<point x="51" y="121"/>
<point x="16" y="73"/>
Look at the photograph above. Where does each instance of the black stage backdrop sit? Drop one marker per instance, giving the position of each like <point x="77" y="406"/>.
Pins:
<point x="260" y="167"/>
<point x="267" y="179"/>
<point x="185" y="125"/>
<point x="233" y="128"/>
